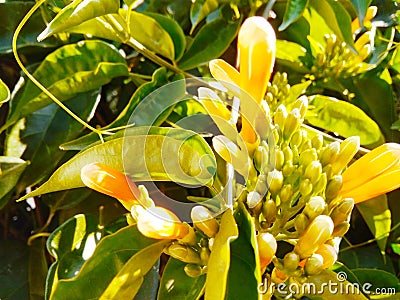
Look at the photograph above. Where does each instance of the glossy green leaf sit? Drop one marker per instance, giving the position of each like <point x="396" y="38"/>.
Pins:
<point x="65" y="74"/>
<point x="175" y="284"/>
<point x="174" y="30"/>
<point x="11" y="13"/>
<point x="130" y="277"/>
<point x="361" y="8"/>
<point x="378" y="280"/>
<point x="78" y="12"/>
<point x="98" y="270"/>
<point x="4" y="92"/>
<point x="37" y="269"/>
<point x="343" y="118"/>
<point x="11" y="169"/>
<point x="377" y="215"/>
<point x="396" y="248"/>
<point x="148" y="164"/>
<point x="219" y="262"/>
<point x="244" y="272"/>
<point x="211" y="41"/>
<point x="14" y="270"/>
<point x="199" y="10"/>
<point x="336" y="17"/>
<point x="294" y="9"/>
<point x="44" y="131"/>
<point x="65" y="199"/>
<point x="292" y="55"/>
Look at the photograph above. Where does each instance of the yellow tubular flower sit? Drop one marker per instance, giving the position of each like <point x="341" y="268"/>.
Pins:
<point x="370" y="14"/>
<point x="159" y="223"/>
<point x="256" y="53"/>
<point x="374" y="174"/>
<point x="266" y="248"/>
<point x="107" y="180"/>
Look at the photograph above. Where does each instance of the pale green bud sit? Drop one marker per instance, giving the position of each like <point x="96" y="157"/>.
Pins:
<point x="292" y="123"/>
<point x="313" y="171"/>
<point x="193" y="270"/>
<point x="330" y="153"/>
<point x="305" y="187"/>
<point x="279" y="159"/>
<point x="328" y="171"/>
<point x="333" y="188"/>
<point x="288" y="168"/>
<point x="314" y="207"/>
<point x="302" y="104"/>
<point x="296" y="139"/>
<point x="204" y="255"/>
<point x="341" y="229"/>
<point x="342" y="212"/>
<point x="348" y="148"/>
<point x="269" y="211"/>
<point x="260" y="156"/>
<point x="275" y="181"/>
<point x="286" y="193"/>
<point x="306" y="157"/>
<point x="291" y="261"/>
<point x="280" y="116"/>
<point x="300" y="223"/>
<point x="204" y="221"/>
<point x="288" y="153"/>
<point x="253" y="199"/>
<point x="296" y="155"/>
<point x="306" y="145"/>
<point x="321" y="184"/>
<point x="314" y="265"/>
<point x="261" y="185"/>
<point x="183" y="253"/>
<point x="317" y="141"/>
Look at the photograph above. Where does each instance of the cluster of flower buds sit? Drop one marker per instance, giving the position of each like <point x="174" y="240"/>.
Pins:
<point x="338" y="60"/>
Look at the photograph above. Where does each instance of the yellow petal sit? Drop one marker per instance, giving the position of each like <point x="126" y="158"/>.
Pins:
<point x="213" y="104"/>
<point x="370" y="14"/>
<point x="109" y="181"/>
<point x="370" y="165"/>
<point x="256" y="49"/>
<point x="384" y="183"/>
<point x="223" y="71"/>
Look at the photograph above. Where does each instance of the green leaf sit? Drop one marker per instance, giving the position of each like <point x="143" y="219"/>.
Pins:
<point x="244" y="272"/>
<point x="14" y="270"/>
<point x="78" y="12"/>
<point x="37" y="269"/>
<point x="378" y="279"/>
<point x="11" y="169"/>
<point x="11" y="13"/>
<point x="219" y="262"/>
<point x="361" y="7"/>
<point x="4" y="92"/>
<point x="211" y="41"/>
<point x="130" y="277"/>
<point x="66" y="74"/>
<point x="65" y="199"/>
<point x="108" y="258"/>
<point x="174" y="30"/>
<point x="377" y="215"/>
<point x="44" y="131"/>
<point x="344" y="118"/>
<point x="175" y="284"/>
<point x="201" y="9"/>
<point x="184" y="147"/>
<point x="294" y="9"/>
<point x="336" y="17"/>
<point x="396" y="248"/>
<point x="292" y="55"/>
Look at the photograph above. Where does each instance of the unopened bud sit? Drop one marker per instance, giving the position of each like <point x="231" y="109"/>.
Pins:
<point x="288" y="169"/>
<point x="278" y="277"/>
<point x="204" y="221"/>
<point x="295" y="140"/>
<point x="330" y="153"/>
<point x="275" y="181"/>
<point x="302" y="104"/>
<point x="279" y="159"/>
<point x="280" y="116"/>
<point x="328" y="254"/>
<point x="193" y="270"/>
<point x="183" y="253"/>
<point x="305" y="187"/>
<point x="292" y="124"/>
<point x="317" y="141"/>
<point x="342" y="212"/>
<point x="266" y="248"/>
<point x="308" y="156"/>
<point x="288" y="154"/>
<point x="333" y="188"/>
<point x="301" y="222"/>
<point x="261" y="185"/>
<point x="291" y="261"/>
<point x="317" y="233"/>
<point x="269" y="211"/>
<point x="260" y="158"/>
<point x="314" y="265"/>
<point x="314" y="207"/>
<point x="348" y="149"/>
<point x="253" y="199"/>
<point x="313" y="171"/>
<point x="341" y="229"/>
<point x="204" y="255"/>
<point x="286" y="193"/>
<point x="321" y="184"/>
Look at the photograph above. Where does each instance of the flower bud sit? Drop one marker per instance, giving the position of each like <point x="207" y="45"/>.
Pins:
<point x="300" y="223"/>
<point x="253" y="199"/>
<point x="341" y="229"/>
<point x="317" y="233"/>
<point x="260" y="158"/>
<point x="308" y="156"/>
<point x="314" y="265"/>
<point x="204" y="221"/>
<point x="313" y="171"/>
<point x="183" y="253"/>
<point x="288" y="169"/>
<point x="193" y="270"/>
<point x="295" y="140"/>
<point x="314" y="207"/>
<point x="348" y="148"/>
<point x="333" y="188"/>
<point x="286" y="193"/>
<point x="159" y="223"/>
<point x="204" y="255"/>
<point x="342" y="212"/>
<point x="317" y="141"/>
<point x="291" y="261"/>
<point x="328" y="254"/>
<point x="269" y="211"/>
<point x="266" y="248"/>
<point x="275" y="181"/>
<point x="279" y="159"/>
<point x="278" y="277"/>
<point x="291" y="124"/>
<point x="288" y="154"/>
<point x="302" y="104"/>
<point x="280" y="116"/>
<point x="305" y="187"/>
<point x="320" y="186"/>
<point x="330" y="153"/>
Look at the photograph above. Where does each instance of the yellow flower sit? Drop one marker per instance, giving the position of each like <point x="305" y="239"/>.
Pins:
<point x="256" y="57"/>
<point x="109" y="181"/>
<point x="157" y="222"/>
<point x="266" y="248"/>
<point x="374" y="174"/>
<point x="370" y="14"/>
